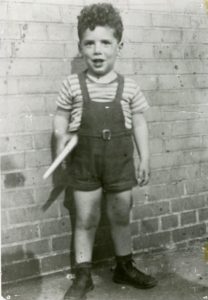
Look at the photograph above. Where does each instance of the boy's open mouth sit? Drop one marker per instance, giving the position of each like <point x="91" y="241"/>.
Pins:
<point x="98" y="62"/>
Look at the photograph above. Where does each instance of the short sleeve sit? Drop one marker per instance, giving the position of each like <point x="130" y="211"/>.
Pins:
<point x="139" y="103"/>
<point x="64" y="100"/>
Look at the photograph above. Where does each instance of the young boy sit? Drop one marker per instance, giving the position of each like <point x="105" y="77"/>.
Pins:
<point x="104" y="109"/>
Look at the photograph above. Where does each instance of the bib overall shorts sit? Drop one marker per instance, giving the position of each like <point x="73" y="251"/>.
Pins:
<point x="103" y="156"/>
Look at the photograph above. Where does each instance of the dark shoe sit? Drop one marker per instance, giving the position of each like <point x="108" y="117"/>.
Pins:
<point x="126" y="273"/>
<point x="82" y="283"/>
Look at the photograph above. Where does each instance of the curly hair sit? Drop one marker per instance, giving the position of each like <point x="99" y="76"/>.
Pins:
<point x="100" y="14"/>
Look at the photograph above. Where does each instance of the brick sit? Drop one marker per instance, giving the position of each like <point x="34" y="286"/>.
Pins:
<point x="134" y="228"/>
<point x="12" y="162"/>
<point x="156" y="240"/>
<point x="55" y="227"/>
<point x="205" y="141"/>
<point x="188" y="203"/>
<point x="193" y="36"/>
<point x="198" y="23"/>
<point x="57" y="68"/>
<point x="170" y="221"/>
<point x="50" y="102"/>
<point x="149" y="226"/>
<point x="69" y="13"/>
<point x="131" y="18"/>
<point x="37" y="247"/>
<point x="15" y="143"/>
<point x="26" y="105"/>
<point x="4" y="219"/>
<point x="171" y="97"/>
<point x="176" y="81"/>
<point x="160" y="192"/>
<point x="17" y="198"/>
<point x="146" y="82"/>
<point x="61" y="243"/>
<point x="156" y="146"/>
<point x="32" y="214"/>
<point x="11" y="31"/>
<point x="196" y="186"/>
<point x="20" y="270"/>
<point x="181" y="113"/>
<point x="168" y="51"/>
<point x="38" y="85"/>
<point x="160" y="130"/>
<point x="38" y="158"/>
<point x="174" y="175"/>
<point x="29" y="178"/>
<point x="15" y="11"/>
<point x="34" y="31"/>
<point x="171" y="20"/>
<point x="55" y="262"/>
<point x="188" y="127"/>
<point x="189" y="232"/>
<point x="38" y="123"/>
<point x="12" y="125"/>
<point x="188" y="218"/>
<point x="167" y="159"/>
<point x="12" y="253"/>
<point x="42" y="140"/>
<point x="4" y="12"/>
<point x="136" y="50"/>
<point x="150" y="210"/>
<point x="182" y="143"/>
<point x="196" y="51"/>
<point x="20" y="68"/>
<point x="153" y="35"/>
<point x="63" y="32"/>
<point x="40" y="50"/>
<point x="203" y="214"/>
<point x="12" y="180"/>
<point x="33" y="12"/>
<point x="6" y="50"/>
<point x="14" y="235"/>
<point x="204" y="169"/>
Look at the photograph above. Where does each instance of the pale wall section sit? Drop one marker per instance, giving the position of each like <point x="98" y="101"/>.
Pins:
<point x="166" y="51"/>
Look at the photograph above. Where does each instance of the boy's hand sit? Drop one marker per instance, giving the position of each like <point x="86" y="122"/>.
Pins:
<point x="144" y="173"/>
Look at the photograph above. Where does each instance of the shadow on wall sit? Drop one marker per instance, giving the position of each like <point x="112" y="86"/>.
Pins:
<point x="61" y="184"/>
<point x="30" y="267"/>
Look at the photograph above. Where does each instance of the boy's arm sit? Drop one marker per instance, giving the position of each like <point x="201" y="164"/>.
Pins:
<point x="140" y="132"/>
<point x="60" y="129"/>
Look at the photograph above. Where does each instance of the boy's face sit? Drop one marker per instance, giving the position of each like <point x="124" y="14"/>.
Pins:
<point x="99" y="48"/>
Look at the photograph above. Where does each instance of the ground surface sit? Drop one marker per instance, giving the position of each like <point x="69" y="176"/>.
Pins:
<point x="182" y="275"/>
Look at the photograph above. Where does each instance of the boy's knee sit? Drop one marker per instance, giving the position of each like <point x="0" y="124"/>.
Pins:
<point x="120" y="218"/>
<point x="87" y="223"/>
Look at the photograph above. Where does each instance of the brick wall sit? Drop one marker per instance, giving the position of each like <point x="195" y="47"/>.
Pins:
<point x="166" y="46"/>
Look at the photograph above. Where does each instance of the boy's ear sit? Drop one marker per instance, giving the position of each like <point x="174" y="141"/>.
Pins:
<point x="80" y="48"/>
<point x="120" y="47"/>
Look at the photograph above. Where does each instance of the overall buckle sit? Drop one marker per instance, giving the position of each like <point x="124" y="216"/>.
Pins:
<point x="106" y="134"/>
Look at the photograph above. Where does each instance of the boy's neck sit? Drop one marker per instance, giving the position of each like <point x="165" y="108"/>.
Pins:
<point x="110" y="76"/>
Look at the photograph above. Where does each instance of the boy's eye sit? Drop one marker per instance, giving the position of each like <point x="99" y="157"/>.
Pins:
<point x="88" y="43"/>
<point x="106" y="42"/>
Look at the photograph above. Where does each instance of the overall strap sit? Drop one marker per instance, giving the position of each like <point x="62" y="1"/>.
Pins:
<point x="83" y="86"/>
<point x="120" y="88"/>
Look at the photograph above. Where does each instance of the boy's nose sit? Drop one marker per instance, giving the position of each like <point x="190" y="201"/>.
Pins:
<point x="97" y="48"/>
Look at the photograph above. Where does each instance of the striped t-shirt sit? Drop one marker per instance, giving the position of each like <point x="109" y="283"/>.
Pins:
<point x="101" y="90"/>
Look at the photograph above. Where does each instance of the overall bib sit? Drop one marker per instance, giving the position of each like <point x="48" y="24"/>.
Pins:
<point x="103" y="156"/>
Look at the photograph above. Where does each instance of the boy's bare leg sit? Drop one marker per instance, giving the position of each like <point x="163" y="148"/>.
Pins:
<point x="87" y="206"/>
<point x="118" y="210"/>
